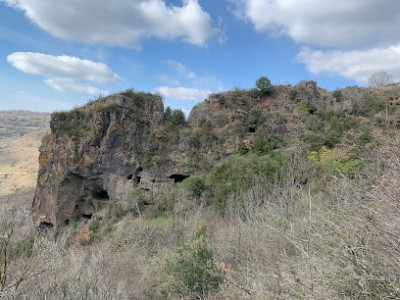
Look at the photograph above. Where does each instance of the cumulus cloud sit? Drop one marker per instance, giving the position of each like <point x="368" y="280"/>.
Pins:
<point x="182" y="93"/>
<point x="342" y="23"/>
<point x="357" y="65"/>
<point x="119" y="22"/>
<point x="63" y="73"/>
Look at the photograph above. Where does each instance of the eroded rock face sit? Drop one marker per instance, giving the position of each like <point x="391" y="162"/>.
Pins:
<point x="92" y="155"/>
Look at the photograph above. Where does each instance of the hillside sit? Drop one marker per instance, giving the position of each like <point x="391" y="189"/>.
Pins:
<point x="277" y="192"/>
<point x="20" y="136"/>
<point x="19" y="123"/>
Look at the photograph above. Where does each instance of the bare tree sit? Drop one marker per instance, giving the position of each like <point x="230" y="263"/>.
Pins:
<point x="380" y="79"/>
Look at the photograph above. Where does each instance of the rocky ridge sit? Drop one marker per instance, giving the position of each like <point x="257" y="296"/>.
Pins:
<point x="114" y="145"/>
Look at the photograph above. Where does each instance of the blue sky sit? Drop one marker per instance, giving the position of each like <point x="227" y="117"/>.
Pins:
<point x="56" y="55"/>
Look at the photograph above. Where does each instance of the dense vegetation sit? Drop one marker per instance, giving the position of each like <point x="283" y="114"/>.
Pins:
<point x="304" y="206"/>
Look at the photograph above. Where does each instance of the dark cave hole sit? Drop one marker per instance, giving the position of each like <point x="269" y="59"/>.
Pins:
<point x="138" y="179"/>
<point x="66" y="222"/>
<point x="140" y="169"/>
<point x="311" y="111"/>
<point x="178" y="177"/>
<point x="129" y="177"/>
<point x="87" y="216"/>
<point x="251" y="129"/>
<point x="46" y="225"/>
<point x="100" y="195"/>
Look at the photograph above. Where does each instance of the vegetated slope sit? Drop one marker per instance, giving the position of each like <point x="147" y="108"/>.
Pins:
<point x="291" y="194"/>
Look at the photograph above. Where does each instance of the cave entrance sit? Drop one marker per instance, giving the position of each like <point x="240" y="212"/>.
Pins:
<point x="100" y="195"/>
<point x="45" y="225"/>
<point x="178" y="177"/>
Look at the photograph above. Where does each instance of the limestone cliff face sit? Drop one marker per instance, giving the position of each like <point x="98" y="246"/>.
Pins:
<point x="92" y="155"/>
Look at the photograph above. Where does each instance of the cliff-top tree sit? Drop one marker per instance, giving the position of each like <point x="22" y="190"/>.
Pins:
<point x="380" y="79"/>
<point x="264" y="86"/>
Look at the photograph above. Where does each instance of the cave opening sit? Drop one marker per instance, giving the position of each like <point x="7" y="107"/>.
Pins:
<point x="129" y="177"/>
<point x="46" y="225"/>
<point x="87" y="216"/>
<point x="138" y="178"/>
<point x="100" y="195"/>
<point x="178" y="177"/>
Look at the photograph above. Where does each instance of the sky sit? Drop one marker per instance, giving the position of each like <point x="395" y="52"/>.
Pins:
<point x="56" y="55"/>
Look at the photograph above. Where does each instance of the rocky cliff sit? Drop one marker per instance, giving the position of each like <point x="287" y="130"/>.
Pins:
<point x="93" y="154"/>
<point x="114" y="145"/>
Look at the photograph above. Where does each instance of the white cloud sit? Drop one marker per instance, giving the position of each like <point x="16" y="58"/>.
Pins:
<point x="71" y="86"/>
<point x="181" y="69"/>
<point x="356" y="65"/>
<point x="342" y="23"/>
<point x="119" y="22"/>
<point x="197" y="87"/>
<point x="168" y="79"/>
<point x="63" y="73"/>
<point x="182" y="93"/>
<point x="61" y="66"/>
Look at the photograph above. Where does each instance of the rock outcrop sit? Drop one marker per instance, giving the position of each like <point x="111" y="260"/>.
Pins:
<point x="93" y="155"/>
<point x="111" y="146"/>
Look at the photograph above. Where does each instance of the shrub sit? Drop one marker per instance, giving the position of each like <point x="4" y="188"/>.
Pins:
<point x="368" y="106"/>
<point x="94" y="225"/>
<point x="315" y="140"/>
<point x="293" y="93"/>
<point x="195" y="185"/>
<point x="237" y="173"/>
<point x="193" y="268"/>
<point x="365" y="138"/>
<point x="264" y="86"/>
<point x="221" y="100"/>
<point x="256" y="117"/>
<point x="174" y="117"/>
<point x="242" y="148"/>
<point x="264" y="144"/>
<point x="350" y="167"/>
<point x="239" y="97"/>
<point x="338" y="95"/>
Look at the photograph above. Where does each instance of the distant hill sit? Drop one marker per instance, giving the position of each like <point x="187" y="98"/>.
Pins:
<point x="20" y="135"/>
<point x="18" y="123"/>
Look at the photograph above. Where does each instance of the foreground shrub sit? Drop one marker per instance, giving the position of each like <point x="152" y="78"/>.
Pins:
<point x="194" y="270"/>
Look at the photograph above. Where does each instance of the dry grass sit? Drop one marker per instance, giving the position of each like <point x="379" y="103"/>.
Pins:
<point x="18" y="164"/>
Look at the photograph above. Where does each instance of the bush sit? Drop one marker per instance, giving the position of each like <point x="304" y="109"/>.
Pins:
<point x="264" y="86"/>
<point x="195" y="185"/>
<point x="338" y="95"/>
<point x="264" y="144"/>
<point x="256" y="117"/>
<point x="174" y="117"/>
<point x="237" y="173"/>
<point x="242" y="148"/>
<point x="193" y="268"/>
